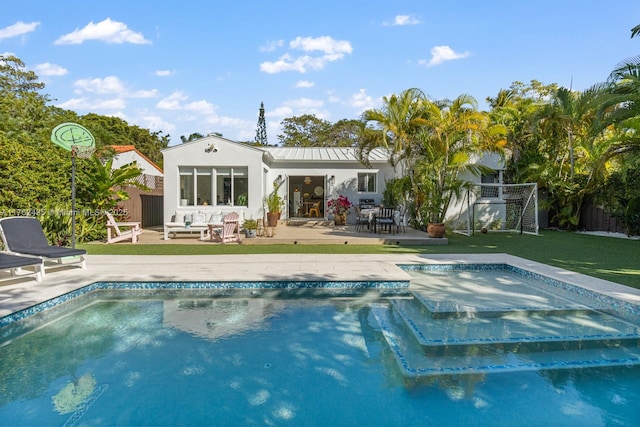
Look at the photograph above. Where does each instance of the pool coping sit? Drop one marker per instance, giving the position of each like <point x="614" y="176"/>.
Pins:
<point x="19" y="294"/>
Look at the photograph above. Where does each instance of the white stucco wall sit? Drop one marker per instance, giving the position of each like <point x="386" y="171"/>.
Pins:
<point x="227" y="154"/>
<point x="338" y="177"/>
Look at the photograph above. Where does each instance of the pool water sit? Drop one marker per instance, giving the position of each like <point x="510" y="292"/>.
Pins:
<point x="286" y="357"/>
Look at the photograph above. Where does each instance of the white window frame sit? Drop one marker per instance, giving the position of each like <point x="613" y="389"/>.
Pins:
<point x="367" y="177"/>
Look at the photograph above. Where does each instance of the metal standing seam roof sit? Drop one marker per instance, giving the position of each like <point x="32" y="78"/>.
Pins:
<point x="322" y="154"/>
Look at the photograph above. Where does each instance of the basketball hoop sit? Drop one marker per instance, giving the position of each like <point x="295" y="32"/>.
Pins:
<point x="82" y="152"/>
<point x="79" y="141"/>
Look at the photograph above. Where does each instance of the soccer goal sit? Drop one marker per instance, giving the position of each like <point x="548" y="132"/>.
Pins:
<point x="498" y="207"/>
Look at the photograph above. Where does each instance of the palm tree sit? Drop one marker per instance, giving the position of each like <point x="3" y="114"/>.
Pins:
<point x="456" y="130"/>
<point x="398" y="119"/>
<point x="578" y="128"/>
<point x="102" y="187"/>
<point x="433" y="143"/>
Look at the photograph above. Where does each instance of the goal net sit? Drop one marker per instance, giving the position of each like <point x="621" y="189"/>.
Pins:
<point x="497" y="207"/>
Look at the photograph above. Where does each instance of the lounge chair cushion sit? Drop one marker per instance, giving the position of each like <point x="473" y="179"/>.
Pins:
<point x="24" y="235"/>
<point x="15" y="261"/>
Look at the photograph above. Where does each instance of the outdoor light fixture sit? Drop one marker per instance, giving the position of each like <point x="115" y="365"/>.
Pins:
<point x="211" y="149"/>
<point x="307" y="180"/>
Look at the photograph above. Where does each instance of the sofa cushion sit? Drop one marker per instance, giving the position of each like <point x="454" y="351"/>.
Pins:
<point x="215" y="218"/>
<point x="200" y="218"/>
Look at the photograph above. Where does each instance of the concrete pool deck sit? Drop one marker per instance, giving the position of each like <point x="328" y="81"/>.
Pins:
<point x="23" y="292"/>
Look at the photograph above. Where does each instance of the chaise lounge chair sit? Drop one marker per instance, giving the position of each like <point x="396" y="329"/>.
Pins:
<point x="24" y="236"/>
<point x="131" y="233"/>
<point x="14" y="263"/>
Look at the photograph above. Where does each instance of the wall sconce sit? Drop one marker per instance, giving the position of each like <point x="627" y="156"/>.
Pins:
<point x="211" y="149"/>
<point x="332" y="179"/>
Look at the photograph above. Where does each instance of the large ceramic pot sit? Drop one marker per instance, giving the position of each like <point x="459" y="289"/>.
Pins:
<point x="272" y="218"/>
<point x="340" y="219"/>
<point x="436" y="229"/>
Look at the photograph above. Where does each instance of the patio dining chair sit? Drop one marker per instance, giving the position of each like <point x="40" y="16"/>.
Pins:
<point x="385" y="220"/>
<point x="361" y="219"/>
<point x="23" y="235"/>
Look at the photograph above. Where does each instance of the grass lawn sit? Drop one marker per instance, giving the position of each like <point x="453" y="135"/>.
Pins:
<point x="617" y="260"/>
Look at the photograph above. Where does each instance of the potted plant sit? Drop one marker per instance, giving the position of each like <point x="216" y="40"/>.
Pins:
<point x="250" y="226"/>
<point x="340" y="209"/>
<point x="274" y="204"/>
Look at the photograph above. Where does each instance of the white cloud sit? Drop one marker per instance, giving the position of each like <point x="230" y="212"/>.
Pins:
<point x="287" y="63"/>
<point x="110" y="85"/>
<point x="324" y="44"/>
<point x="107" y="31"/>
<point x="361" y="101"/>
<point x="298" y="107"/>
<point x="48" y="69"/>
<point x="92" y="104"/>
<point x="172" y="102"/>
<point x="283" y="111"/>
<point x="201" y="107"/>
<point x="164" y="73"/>
<point x="107" y="85"/>
<point x="153" y="93"/>
<point x="305" y="84"/>
<point x="156" y="123"/>
<point x="441" y="54"/>
<point x="271" y="45"/>
<point x="333" y="50"/>
<point x="18" y="29"/>
<point x="401" y="20"/>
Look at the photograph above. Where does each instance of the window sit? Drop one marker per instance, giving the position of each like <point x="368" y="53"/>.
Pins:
<point x="186" y="188"/>
<point x="367" y="182"/>
<point x="203" y="186"/>
<point x="203" y="179"/>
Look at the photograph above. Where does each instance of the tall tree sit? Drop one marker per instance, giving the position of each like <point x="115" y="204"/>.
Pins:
<point x="261" y="131"/>
<point x="304" y="131"/>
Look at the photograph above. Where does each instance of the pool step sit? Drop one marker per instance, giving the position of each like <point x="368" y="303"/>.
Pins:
<point x="414" y="363"/>
<point x="515" y="332"/>
<point x="452" y="309"/>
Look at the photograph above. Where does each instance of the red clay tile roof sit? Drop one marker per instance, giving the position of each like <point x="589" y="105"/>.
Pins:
<point x="127" y="148"/>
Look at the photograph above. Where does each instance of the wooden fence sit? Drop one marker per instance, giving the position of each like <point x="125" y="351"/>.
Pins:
<point x="146" y="207"/>
<point x="595" y="218"/>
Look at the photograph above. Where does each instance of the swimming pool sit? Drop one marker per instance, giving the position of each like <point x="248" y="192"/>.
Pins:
<point x="301" y="357"/>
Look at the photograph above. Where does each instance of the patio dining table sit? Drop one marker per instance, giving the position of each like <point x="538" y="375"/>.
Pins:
<point x="373" y="214"/>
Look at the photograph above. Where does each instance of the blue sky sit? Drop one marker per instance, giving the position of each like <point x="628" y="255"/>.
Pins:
<point x="205" y="66"/>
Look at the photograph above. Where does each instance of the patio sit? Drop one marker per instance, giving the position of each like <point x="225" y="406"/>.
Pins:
<point x="305" y="233"/>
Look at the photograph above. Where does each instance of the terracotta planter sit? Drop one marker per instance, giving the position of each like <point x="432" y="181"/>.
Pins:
<point x="272" y="218"/>
<point x="436" y="230"/>
<point x="340" y="219"/>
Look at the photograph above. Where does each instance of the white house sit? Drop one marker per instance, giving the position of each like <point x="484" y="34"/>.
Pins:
<point x="214" y="174"/>
<point x="125" y="154"/>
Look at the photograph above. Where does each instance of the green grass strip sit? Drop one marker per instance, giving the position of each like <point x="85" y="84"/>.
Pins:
<point x="617" y="260"/>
